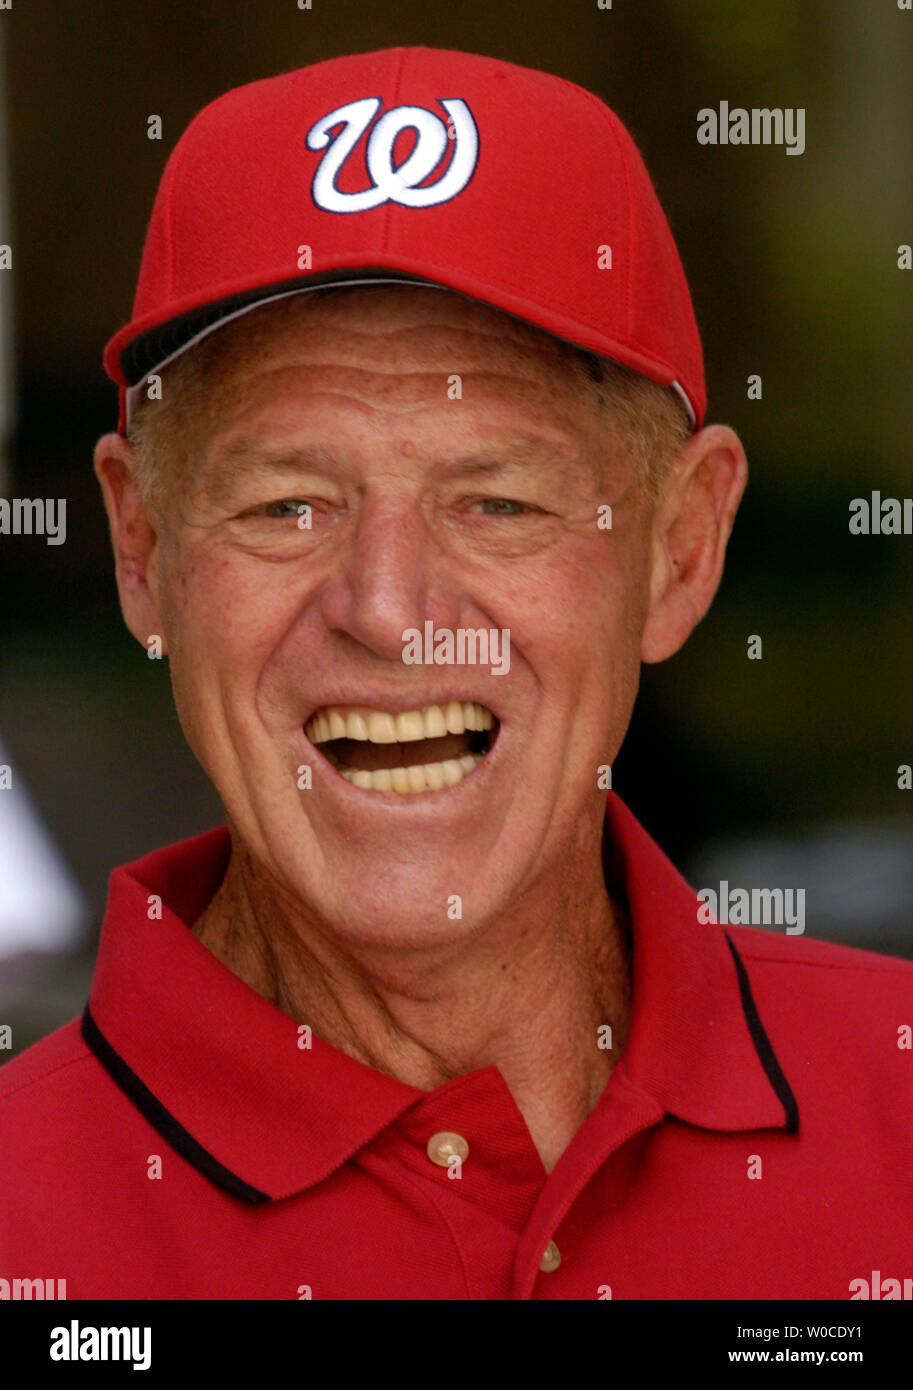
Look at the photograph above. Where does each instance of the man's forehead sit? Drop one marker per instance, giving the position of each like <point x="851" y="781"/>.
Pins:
<point x="388" y="326"/>
<point x="395" y="349"/>
<point x="256" y="453"/>
<point x="255" y="391"/>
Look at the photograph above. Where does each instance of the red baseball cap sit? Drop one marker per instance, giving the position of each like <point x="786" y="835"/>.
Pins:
<point x="417" y="165"/>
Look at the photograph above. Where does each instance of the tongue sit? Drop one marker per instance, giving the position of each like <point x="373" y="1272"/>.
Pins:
<point x="353" y="752"/>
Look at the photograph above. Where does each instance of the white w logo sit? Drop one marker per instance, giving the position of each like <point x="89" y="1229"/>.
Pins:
<point x="389" y="183"/>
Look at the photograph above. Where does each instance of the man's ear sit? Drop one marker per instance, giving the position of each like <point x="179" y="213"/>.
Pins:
<point x="133" y="537"/>
<point x="691" y="526"/>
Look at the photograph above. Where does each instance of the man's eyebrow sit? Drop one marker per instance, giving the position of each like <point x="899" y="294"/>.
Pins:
<point x="251" y="450"/>
<point x="248" y="456"/>
<point x="527" y="454"/>
<point x="519" y="455"/>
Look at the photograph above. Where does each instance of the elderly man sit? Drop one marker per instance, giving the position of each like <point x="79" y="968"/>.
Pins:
<point x="432" y="1016"/>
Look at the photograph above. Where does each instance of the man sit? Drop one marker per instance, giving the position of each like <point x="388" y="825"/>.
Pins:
<point x="433" y="1017"/>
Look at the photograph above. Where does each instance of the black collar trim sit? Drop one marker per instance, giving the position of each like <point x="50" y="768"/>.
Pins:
<point x="161" y="1119"/>
<point x="763" y="1047"/>
<point x="183" y="1142"/>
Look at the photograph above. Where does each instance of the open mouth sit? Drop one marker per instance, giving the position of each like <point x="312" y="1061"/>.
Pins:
<point x="427" y="749"/>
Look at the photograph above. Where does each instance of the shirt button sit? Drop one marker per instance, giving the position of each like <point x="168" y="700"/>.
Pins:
<point x="551" y="1259"/>
<point x="442" y="1147"/>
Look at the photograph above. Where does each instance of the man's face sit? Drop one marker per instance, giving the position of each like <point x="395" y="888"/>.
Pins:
<point x="471" y="508"/>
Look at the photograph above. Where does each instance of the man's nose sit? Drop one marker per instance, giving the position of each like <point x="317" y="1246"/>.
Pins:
<point x="391" y="576"/>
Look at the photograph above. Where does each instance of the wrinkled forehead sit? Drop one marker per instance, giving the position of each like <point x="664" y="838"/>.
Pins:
<point x="386" y="326"/>
<point x="398" y="344"/>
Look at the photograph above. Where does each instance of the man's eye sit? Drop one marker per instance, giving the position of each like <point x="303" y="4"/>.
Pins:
<point x="287" y="506"/>
<point x="504" y="506"/>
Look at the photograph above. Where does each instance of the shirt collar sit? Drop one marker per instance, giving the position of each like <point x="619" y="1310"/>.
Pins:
<point x="696" y="1041"/>
<point x="219" y="1071"/>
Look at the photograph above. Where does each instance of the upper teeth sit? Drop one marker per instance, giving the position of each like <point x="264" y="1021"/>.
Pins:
<point x="376" y="726"/>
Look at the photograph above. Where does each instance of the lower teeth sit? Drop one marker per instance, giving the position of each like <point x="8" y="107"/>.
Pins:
<point x="419" y="777"/>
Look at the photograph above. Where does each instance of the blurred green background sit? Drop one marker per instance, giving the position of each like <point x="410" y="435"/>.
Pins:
<point x="789" y="763"/>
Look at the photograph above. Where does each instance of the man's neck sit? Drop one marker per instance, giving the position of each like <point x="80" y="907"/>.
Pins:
<point x="532" y="995"/>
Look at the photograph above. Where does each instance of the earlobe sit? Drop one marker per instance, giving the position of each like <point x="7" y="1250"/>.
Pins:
<point x="133" y="537"/>
<point x="692" y="526"/>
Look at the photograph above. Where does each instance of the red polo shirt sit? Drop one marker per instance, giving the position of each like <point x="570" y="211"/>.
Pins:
<point x="754" y="1141"/>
